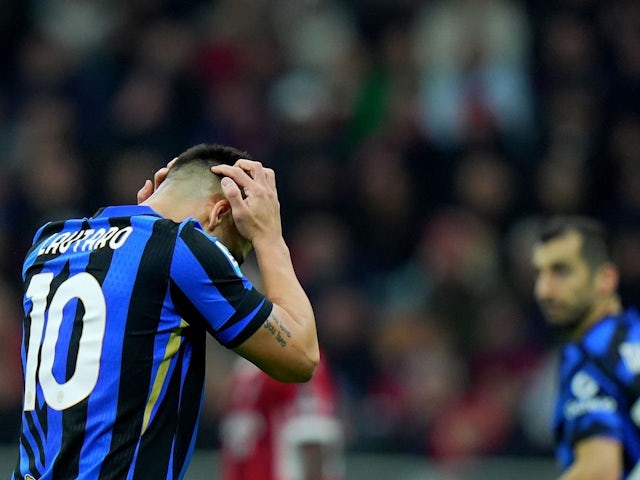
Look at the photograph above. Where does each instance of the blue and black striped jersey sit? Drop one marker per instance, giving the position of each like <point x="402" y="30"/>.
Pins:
<point x="600" y="389"/>
<point x="116" y="311"/>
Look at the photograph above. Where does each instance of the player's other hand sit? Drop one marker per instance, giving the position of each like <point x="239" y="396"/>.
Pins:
<point x="149" y="187"/>
<point x="257" y="212"/>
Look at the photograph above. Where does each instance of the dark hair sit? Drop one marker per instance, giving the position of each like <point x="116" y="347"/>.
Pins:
<point x="596" y="248"/>
<point x="209" y="155"/>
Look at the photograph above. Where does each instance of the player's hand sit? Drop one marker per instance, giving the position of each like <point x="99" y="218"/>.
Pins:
<point x="149" y="187"/>
<point x="257" y="212"/>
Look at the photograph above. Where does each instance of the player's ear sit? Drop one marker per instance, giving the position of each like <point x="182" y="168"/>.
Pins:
<point x="219" y="210"/>
<point x="607" y="278"/>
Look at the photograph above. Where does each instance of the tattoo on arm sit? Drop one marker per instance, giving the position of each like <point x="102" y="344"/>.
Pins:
<point x="277" y="329"/>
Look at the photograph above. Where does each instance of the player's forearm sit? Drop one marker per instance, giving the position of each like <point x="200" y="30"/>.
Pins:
<point x="282" y="287"/>
<point x="589" y="472"/>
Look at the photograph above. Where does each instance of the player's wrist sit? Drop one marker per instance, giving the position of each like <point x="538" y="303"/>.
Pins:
<point x="269" y="243"/>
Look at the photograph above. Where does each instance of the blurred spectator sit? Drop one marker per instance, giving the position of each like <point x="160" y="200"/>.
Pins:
<point x="82" y="27"/>
<point x="45" y="65"/>
<point x="537" y="405"/>
<point x="569" y="49"/>
<point x="127" y="172"/>
<point x="572" y="121"/>
<point x="54" y="183"/>
<point x="382" y="205"/>
<point x="280" y="431"/>
<point x="619" y="22"/>
<point x="517" y="243"/>
<point x="419" y="374"/>
<point x="484" y="419"/>
<point x="484" y="183"/>
<point x="346" y="321"/>
<point x="321" y="247"/>
<point x="473" y="60"/>
<point x="562" y="184"/>
<point x="10" y="371"/>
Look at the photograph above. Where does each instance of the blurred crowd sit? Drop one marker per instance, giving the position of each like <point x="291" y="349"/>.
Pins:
<point x="417" y="145"/>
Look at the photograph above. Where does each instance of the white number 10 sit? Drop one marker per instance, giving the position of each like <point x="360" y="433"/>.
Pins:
<point x="86" y="289"/>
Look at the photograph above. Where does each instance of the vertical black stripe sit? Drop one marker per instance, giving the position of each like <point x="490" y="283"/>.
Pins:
<point x="176" y="412"/>
<point x="41" y="414"/>
<point x="160" y="435"/>
<point x="67" y="462"/>
<point x="620" y="335"/>
<point x="74" y="341"/>
<point x="74" y="419"/>
<point x="145" y="308"/>
<point x="27" y="446"/>
<point x="192" y="389"/>
<point x="29" y="418"/>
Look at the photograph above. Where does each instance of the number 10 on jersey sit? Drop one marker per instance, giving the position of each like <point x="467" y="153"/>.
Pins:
<point x="86" y="289"/>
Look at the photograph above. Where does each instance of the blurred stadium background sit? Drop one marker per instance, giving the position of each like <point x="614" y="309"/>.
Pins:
<point x="417" y="143"/>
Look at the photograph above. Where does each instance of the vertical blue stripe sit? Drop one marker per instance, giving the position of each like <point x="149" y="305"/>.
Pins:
<point x="24" y="459"/>
<point x="40" y="432"/>
<point x="103" y="401"/>
<point x="28" y="436"/>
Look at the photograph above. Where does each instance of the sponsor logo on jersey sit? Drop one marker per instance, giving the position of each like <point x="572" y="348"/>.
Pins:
<point x="575" y="408"/>
<point x="583" y="386"/>
<point x="586" y="389"/>
<point x="630" y="353"/>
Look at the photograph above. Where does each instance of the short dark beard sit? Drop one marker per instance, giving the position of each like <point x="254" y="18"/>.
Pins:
<point x="568" y="330"/>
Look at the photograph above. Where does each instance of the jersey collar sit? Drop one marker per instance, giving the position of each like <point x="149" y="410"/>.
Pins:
<point x="126" y="211"/>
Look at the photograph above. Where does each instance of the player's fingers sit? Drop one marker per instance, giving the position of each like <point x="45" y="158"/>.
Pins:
<point x="161" y="174"/>
<point x="237" y="174"/>
<point x="255" y="169"/>
<point x="270" y="175"/>
<point x="145" y="192"/>
<point x="159" y="177"/>
<point x="233" y="193"/>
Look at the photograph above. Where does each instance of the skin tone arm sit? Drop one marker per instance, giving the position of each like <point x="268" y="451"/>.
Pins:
<point x="597" y="458"/>
<point x="286" y="347"/>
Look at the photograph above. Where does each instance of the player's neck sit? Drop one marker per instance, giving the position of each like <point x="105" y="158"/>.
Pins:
<point x="172" y="208"/>
<point x="608" y="307"/>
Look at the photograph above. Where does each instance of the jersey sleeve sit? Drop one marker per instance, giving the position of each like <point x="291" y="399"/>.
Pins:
<point x="207" y="286"/>
<point x="37" y="237"/>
